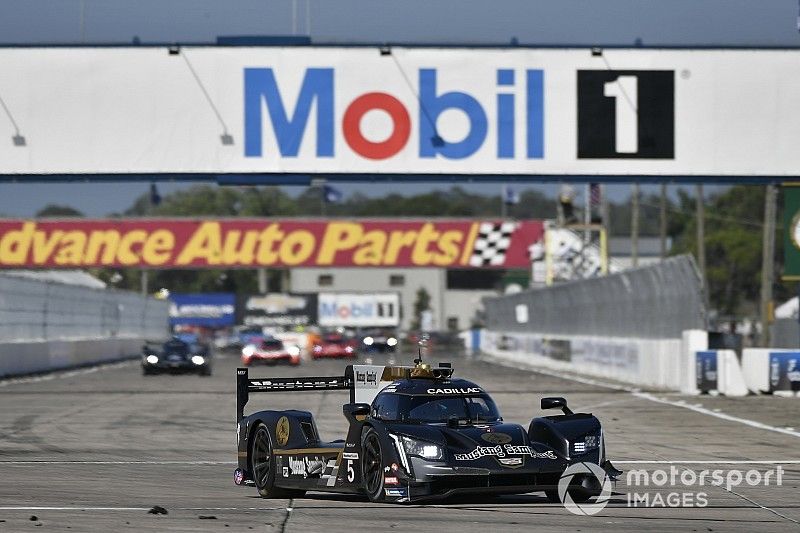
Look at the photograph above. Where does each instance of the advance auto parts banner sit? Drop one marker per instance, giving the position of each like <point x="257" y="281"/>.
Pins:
<point x="244" y="243"/>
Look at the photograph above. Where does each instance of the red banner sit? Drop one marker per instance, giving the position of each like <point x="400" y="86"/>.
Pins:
<point x="242" y="243"/>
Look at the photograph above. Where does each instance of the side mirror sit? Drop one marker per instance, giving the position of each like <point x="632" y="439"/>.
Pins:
<point x="556" y="402"/>
<point x="354" y="411"/>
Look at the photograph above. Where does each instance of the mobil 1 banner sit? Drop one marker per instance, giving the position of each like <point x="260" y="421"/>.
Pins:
<point x="345" y="111"/>
<point x="279" y="310"/>
<point x="359" y="309"/>
<point x="784" y="371"/>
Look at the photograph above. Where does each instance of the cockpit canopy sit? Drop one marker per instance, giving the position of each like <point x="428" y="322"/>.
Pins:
<point x="473" y="407"/>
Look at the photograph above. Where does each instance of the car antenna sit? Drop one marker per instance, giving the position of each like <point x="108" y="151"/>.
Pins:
<point x="418" y="361"/>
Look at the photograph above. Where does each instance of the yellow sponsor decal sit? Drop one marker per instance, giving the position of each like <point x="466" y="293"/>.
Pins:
<point x="282" y="431"/>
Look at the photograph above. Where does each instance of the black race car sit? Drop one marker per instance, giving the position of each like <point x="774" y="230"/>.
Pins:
<point x="176" y="355"/>
<point x="413" y="433"/>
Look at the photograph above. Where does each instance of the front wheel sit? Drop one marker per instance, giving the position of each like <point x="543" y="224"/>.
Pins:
<point x="575" y="492"/>
<point x="372" y="465"/>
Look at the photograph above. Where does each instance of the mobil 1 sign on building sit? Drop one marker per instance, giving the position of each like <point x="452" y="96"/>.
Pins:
<point x="235" y="113"/>
<point x="359" y="310"/>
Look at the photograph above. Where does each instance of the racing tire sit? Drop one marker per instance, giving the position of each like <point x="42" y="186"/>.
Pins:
<point x="372" y="465"/>
<point x="577" y="495"/>
<point x="262" y="467"/>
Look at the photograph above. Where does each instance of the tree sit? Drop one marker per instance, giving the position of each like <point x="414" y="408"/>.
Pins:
<point x="733" y="226"/>
<point x="421" y="303"/>
<point x="57" y="211"/>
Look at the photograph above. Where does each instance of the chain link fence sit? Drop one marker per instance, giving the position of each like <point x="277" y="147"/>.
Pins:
<point x="653" y="302"/>
<point x="785" y="333"/>
<point x="32" y="310"/>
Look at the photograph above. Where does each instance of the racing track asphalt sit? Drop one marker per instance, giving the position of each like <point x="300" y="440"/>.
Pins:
<point x="94" y="450"/>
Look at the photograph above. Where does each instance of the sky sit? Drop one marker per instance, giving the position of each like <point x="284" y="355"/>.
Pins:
<point x="528" y="22"/>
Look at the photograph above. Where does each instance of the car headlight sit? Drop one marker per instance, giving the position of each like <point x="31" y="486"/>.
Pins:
<point x="152" y="359"/>
<point x="391" y="341"/>
<point x="198" y="359"/>
<point x="368" y="341"/>
<point x="587" y="443"/>
<point x="421" y="448"/>
<point x="294" y="351"/>
<point x="248" y="350"/>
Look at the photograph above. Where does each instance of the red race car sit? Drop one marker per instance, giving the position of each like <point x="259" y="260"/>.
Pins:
<point x="333" y="346"/>
<point x="270" y="351"/>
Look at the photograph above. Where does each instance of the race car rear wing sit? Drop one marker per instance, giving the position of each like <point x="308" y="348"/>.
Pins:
<point x="245" y="385"/>
<point x="363" y="381"/>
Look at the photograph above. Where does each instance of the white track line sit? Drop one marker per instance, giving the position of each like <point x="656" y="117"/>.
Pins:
<point x="647" y="396"/>
<point x="624" y="462"/>
<point x="77" y="508"/>
<point x="723" y="416"/>
<point x="34" y="462"/>
<point x="60" y="374"/>
<point x="711" y="462"/>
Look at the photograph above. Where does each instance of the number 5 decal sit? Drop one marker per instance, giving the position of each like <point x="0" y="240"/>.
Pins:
<point x="351" y="473"/>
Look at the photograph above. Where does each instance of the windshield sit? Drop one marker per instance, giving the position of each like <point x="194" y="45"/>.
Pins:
<point x="176" y="348"/>
<point x="272" y="345"/>
<point x="399" y="407"/>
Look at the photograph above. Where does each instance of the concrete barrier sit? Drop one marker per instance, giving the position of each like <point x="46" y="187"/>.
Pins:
<point x="772" y="370"/>
<point x="692" y="341"/>
<point x="17" y="358"/>
<point x="719" y="372"/>
<point x="652" y="363"/>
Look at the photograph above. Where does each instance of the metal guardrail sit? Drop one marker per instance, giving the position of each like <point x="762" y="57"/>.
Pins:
<point x="658" y="302"/>
<point x="42" y="310"/>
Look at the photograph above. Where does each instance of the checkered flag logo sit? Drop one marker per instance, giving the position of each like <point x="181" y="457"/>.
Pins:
<point x="492" y="243"/>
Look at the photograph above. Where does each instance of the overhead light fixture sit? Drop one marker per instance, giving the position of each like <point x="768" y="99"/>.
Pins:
<point x="597" y="51"/>
<point x="227" y="139"/>
<point x="386" y="50"/>
<point x="174" y="50"/>
<point x="18" y="140"/>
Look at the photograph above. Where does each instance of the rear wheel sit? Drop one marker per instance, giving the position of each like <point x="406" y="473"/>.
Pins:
<point x="372" y="465"/>
<point x="263" y="466"/>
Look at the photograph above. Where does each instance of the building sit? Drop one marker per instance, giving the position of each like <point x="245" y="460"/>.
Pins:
<point x="453" y="307"/>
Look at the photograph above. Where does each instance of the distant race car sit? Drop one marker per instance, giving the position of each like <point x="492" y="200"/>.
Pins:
<point x="270" y="351"/>
<point x="413" y="433"/>
<point x="176" y="355"/>
<point x="378" y="340"/>
<point x="333" y="345"/>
